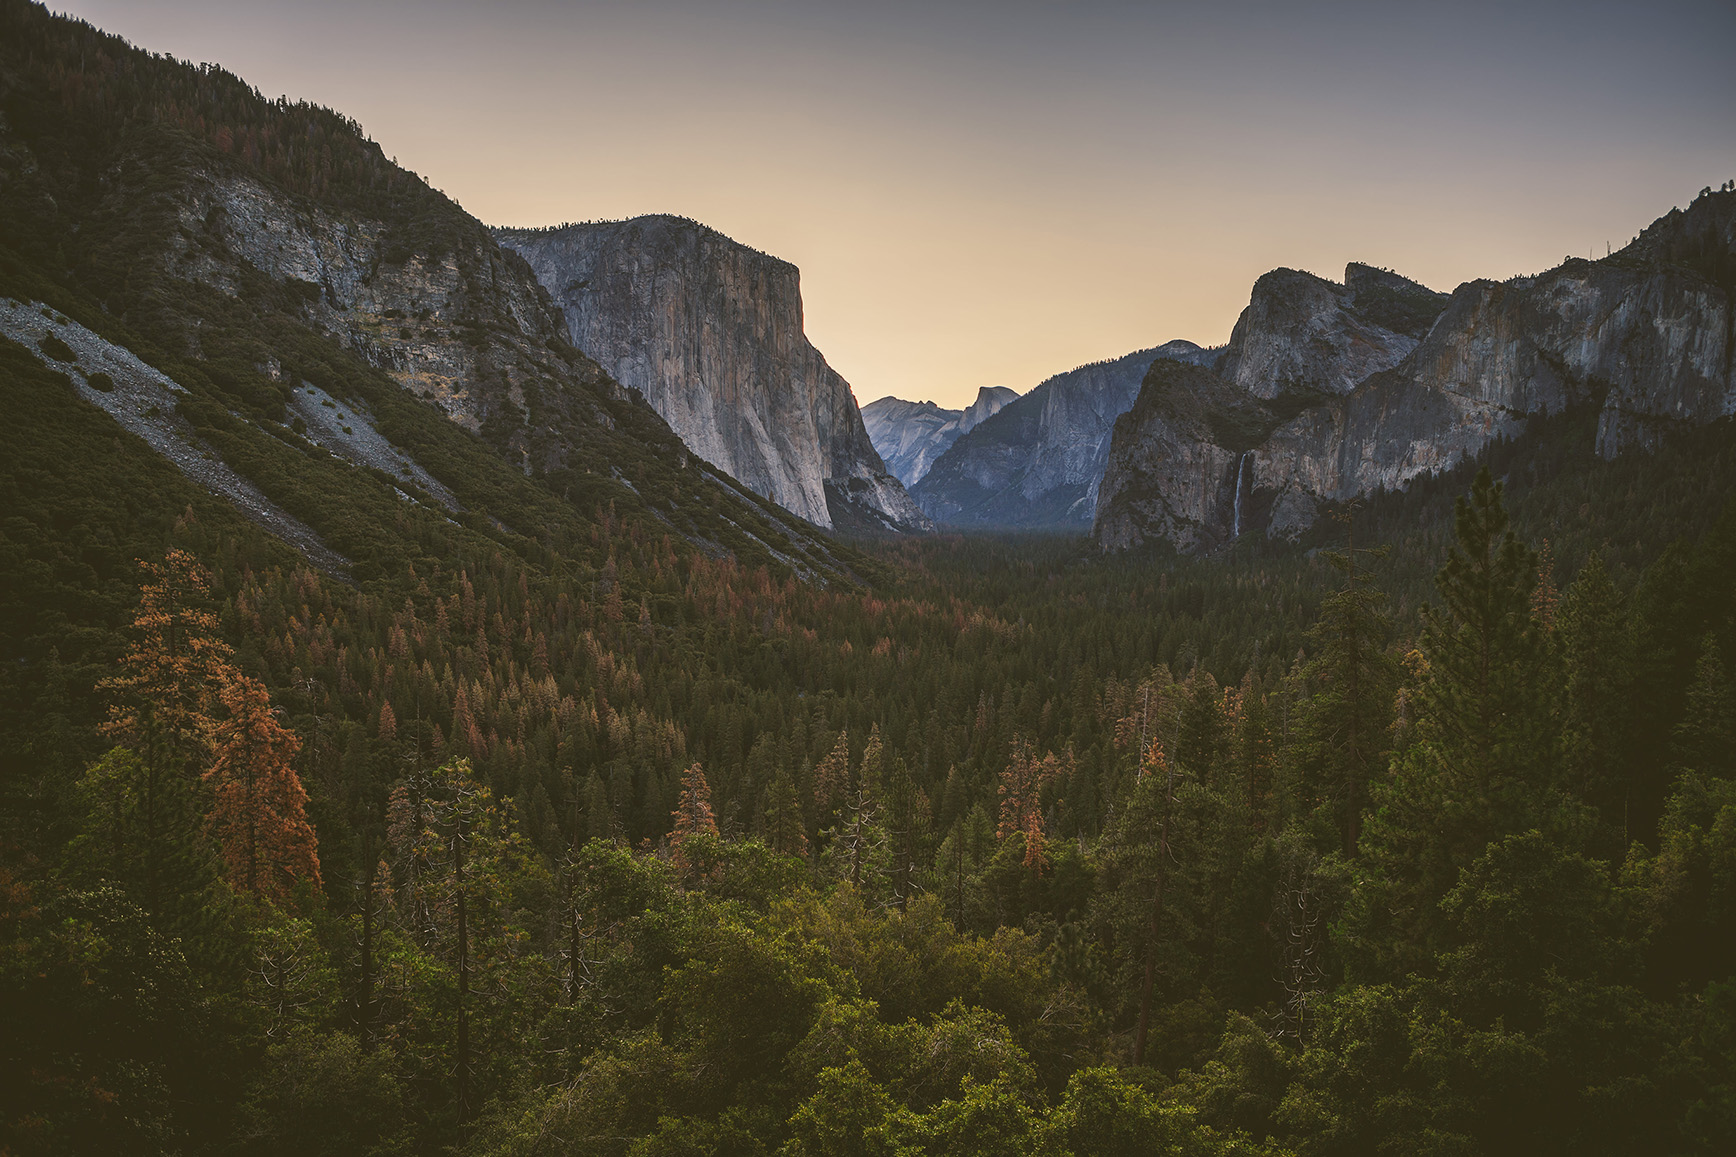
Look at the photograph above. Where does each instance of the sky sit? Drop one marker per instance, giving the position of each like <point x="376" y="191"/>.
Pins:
<point x="990" y="193"/>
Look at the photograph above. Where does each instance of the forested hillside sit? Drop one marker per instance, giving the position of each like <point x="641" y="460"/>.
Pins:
<point x="608" y="812"/>
<point x="749" y="863"/>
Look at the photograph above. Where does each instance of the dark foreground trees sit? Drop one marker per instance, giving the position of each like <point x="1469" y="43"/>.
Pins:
<point x="1401" y="898"/>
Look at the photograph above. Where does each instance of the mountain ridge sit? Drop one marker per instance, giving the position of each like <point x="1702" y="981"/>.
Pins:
<point x="1645" y="335"/>
<point x="1038" y="462"/>
<point x="250" y="249"/>
<point x="911" y="435"/>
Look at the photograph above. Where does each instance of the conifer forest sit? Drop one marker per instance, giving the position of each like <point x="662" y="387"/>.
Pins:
<point x="606" y="811"/>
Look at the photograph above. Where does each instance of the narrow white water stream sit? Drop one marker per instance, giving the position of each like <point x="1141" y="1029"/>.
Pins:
<point x="1241" y="472"/>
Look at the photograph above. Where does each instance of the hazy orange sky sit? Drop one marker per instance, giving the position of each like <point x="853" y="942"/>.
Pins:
<point x="990" y="193"/>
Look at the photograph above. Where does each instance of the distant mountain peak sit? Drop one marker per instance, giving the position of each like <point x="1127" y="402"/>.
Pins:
<point x="1037" y="461"/>
<point x="911" y="435"/>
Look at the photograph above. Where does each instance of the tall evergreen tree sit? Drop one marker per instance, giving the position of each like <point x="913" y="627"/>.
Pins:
<point x="1203" y="738"/>
<point x="1482" y="712"/>
<point x="906" y="833"/>
<point x="165" y="697"/>
<point x="693" y="815"/>
<point x="1482" y="757"/>
<point x="784" y="826"/>
<point x="1595" y="644"/>
<point x="1705" y="739"/>
<point x="1342" y="740"/>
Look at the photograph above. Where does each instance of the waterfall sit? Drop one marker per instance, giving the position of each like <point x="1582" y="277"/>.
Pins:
<point x="1241" y="473"/>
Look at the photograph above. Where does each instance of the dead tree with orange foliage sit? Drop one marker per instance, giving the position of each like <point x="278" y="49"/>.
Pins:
<point x="692" y="814"/>
<point x="1021" y="792"/>
<point x="259" y="808"/>
<point x="164" y="697"/>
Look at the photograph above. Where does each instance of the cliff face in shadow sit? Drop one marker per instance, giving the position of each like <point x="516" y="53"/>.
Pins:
<point x="1645" y="334"/>
<point x="710" y="332"/>
<point x="1037" y="462"/>
<point x="911" y="435"/>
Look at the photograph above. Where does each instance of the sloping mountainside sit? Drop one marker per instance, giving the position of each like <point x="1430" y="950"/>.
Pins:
<point x="1317" y="400"/>
<point x="408" y="747"/>
<point x="1038" y="461"/>
<point x="710" y="332"/>
<point x="221" y="260"/>
<point x="911" y="435"/>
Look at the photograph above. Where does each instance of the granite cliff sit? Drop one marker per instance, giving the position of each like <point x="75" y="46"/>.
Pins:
<point x="1282" y="421"/>
<point x="1039" y="460"/>
<point x="455" y="319"/>
<point x="710" y="332"/>
<point x="911" y="435"/>
<point x="305" y="329"/>
<point x="1303" y="335"/>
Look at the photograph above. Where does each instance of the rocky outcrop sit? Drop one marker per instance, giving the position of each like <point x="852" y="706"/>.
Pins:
<point x="710" y="332"/>
<point x="142" y="400"/>
<point x="1181" y="460"/>
<point x="1039" y="460"/>
<point x="452" y="317"/>
<point x="990" y="400"/>
<point x="911" y="435"/>
<point x="1304" y="335"/>
<point x="1645" y="334"/>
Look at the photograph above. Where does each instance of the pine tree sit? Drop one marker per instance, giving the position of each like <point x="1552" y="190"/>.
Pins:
<point x="1705" y="739"/>
<point x="1156" y="792"/>
<point x="259" y="808"/>
<point x="470" y="857"/>
<point x="1483" y="710"/>
<point x="171" y="673"/>
<point x="784" y="825"/>
<point x="1202" y="742"/>
<point x="692" y="814"/>
<point x="961" y="856"/>
<point x="1596" y="644"/>
<point x="1481" y="762"/>
<point x="1342" y="731"/>
<point x="1021" y="797"/>
<point x="858" y="841"/>
<point x="832" y="777"/>
<point x="164" y="698"/>
<point x="1256" y="753"/>
<point x="598" y="819"/>
<point x="872" y="770"/>
<point x="906" y="832"/>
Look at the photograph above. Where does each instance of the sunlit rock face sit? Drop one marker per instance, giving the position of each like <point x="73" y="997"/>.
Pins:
<point x="710" y="332"/>
<point x="1280" y="426"/>
<point x="911" y="435"/>
<point x="1038" y="461"/>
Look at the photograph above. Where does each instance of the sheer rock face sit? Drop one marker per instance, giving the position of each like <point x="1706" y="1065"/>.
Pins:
<point x="710" y="332"/>
<point x="1645" y="334"/>
<point x="1178" y="458"/>
<point x="1039" y="460"/>
<point x="911" y="435"/>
